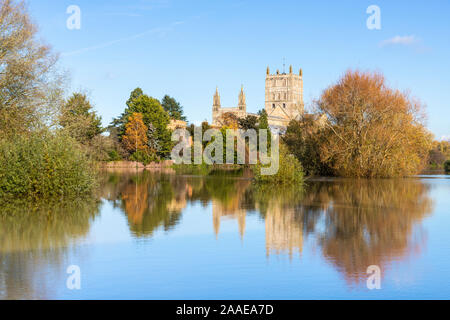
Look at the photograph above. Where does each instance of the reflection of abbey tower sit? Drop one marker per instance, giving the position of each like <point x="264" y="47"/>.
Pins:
<point x="284" y="234"/>
<point x="284" y="231"/>
<point x="231" y="208"/>
<point x="283" y="100"/>
<point x="219" y="212"/>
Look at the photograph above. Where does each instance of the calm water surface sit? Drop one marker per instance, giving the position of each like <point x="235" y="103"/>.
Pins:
<point x="163" y="236"/>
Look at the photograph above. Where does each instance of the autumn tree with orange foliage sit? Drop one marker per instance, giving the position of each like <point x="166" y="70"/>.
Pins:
<point x="229" y="120"/>
<point x="135" y="137"/>
<point x="372" y="130"/>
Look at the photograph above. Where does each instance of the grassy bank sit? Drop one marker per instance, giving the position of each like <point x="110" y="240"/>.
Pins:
<point x="205" y="169"/>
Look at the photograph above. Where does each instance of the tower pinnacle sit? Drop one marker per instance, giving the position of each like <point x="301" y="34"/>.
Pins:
<point x="242" y="103"/>
<point x="216" y="99"/>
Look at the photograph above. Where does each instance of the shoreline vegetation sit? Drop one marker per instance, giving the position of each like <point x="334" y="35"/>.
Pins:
<point x="45" y="165"/>
<point x="53" y="143"/>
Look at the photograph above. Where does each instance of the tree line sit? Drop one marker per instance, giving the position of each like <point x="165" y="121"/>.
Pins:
<point x="49" y="144"/>
<point x="141" y="132"/>
<point x="369" y="130"/>
<point x="359" y="127"/>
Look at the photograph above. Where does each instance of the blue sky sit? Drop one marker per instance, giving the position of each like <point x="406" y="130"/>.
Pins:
<point x="187" y="48"/>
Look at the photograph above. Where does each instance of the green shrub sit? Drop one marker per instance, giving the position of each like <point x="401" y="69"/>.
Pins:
<point x="447" y="166"/>
<point x="44" y="165"/>
<point x="114" y="155"/>
<point x="290" y="170"/>
<point x="144" y="157"/>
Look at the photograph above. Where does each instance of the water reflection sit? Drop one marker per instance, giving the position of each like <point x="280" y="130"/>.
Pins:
<point x="149" y="200"/>
<point x="354" y="223"/>
<point x="283" y="225"/>
<point x="367" y="222"/>
<point x="350" y="223"/>
<point x="34" y="238"/>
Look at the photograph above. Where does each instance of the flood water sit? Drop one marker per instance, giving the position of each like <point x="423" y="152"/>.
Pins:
<point x="164" y="236"/>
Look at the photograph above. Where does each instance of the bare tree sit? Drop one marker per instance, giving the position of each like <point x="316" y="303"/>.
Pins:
<point x="371" y="129"/>
<point x="28" y="81"/>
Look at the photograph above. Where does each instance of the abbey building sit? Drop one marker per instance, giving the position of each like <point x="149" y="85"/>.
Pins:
<point x="283" y="100"/>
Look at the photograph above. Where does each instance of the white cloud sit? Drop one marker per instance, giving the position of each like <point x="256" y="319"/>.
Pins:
<point x="446" y="138"/>
<point x="400" y="40"/>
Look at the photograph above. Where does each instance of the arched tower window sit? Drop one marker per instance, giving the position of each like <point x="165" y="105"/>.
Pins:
<point x="273" y="106"/>
<point x="284" y="105"/>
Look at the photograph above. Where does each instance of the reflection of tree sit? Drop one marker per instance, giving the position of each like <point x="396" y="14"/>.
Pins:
<point x="150" y="200"/>
<point x="356" y="223"/>
<point x="47" y="225"/>
<point x="368" y="222"/>
<point x="226" y="195"/>
<point x="34" y="236"/>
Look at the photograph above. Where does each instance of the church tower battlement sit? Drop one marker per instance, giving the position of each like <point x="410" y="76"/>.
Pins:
<point x="284" y="94"/>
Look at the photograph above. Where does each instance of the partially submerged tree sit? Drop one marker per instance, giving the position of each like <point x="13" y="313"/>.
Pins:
<point x="372" y="130"/>
<point x="439" y="154"/>
<point x="303" y="138"/>
<point x="447" y="166"/>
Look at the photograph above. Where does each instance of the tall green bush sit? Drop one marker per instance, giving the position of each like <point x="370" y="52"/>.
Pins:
<point x="290" y="170"/>
<point x="42" y="165"/>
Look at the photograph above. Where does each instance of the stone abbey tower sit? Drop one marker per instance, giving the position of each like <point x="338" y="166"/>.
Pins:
<point x="283" y="100"/>
<point x="284" y="96"/>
